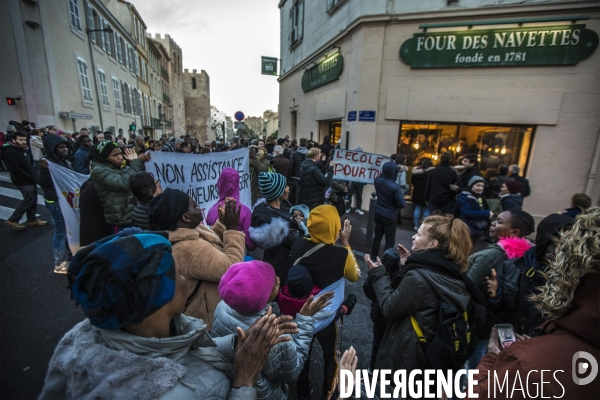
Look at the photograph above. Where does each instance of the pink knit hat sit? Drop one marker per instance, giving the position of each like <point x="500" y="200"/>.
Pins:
<point x="246" y="286"/>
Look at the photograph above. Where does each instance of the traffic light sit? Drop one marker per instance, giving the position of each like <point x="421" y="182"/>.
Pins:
<point x="11" y="101"/>
<point x="132" y="127"/>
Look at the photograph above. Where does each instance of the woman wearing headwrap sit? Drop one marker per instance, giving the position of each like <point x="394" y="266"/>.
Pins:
<point x="228" y="185"/>
<point x="508" y="289"/>
<point x="329" y="266"/>
<point x="273" y="228"/>
<point x="136" y="343"/>
<point x="203" y="254"/>
<point x="111" y="178"/>
<point x="569" y="299"/>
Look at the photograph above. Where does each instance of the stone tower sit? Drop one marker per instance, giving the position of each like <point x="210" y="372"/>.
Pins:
<point x="196" y="93"/>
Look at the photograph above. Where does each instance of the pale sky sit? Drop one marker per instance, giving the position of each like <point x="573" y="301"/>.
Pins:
<point x="226" y="38"/>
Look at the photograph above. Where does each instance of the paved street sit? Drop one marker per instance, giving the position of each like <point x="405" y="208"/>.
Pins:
<point x="36" y="308"/>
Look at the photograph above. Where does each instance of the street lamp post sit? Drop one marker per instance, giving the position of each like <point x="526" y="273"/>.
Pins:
<point x="89" y="31"/>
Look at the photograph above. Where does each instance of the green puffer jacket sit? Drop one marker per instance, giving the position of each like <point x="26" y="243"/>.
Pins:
<point x="112" y="184"/>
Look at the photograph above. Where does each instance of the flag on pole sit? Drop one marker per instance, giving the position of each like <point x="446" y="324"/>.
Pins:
<point x="67" y="184"/>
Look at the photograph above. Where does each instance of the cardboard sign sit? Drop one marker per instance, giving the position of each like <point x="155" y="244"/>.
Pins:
<point x="357" y="166"/>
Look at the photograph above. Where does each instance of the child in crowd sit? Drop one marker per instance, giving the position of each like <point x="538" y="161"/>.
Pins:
<point x="241" y="307"/>
<point x="300" y="213"/>
<point x="144" y="187"/>
<point x="298" y="289"/>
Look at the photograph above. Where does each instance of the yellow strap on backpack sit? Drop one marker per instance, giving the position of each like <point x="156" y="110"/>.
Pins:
<point x="417" y="329"/>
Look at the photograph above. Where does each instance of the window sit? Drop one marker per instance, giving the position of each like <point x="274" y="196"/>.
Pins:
<point x="193" y="83"/>
<point x="74" y="11"/>
<point x="123" y="51"/>
<point x="124" y="91"/>
<point x="131" y="102"/>
<point x="103" y="87"/>
<point x="107" y="38"/>
<point x="296" y="22"/>
<point x="139" y="103"/>
<point x="332" y="4"/>
<point x="101" y="33"/>
<point x="90" y="22"/>
<point x="147" y="108"/>
<point x="84" y="80"/>
<point x="494" y="145"/>
<point x="116" y="93"/>
<point x="129" y="54"/>
<point x="136" y="58"/>
<point x="144" y="73"/>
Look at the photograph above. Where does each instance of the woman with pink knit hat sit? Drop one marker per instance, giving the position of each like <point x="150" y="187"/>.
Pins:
<point x="241" y="307"/>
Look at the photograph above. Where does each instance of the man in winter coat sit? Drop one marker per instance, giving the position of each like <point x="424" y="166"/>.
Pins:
<point x="326" y="147"/>
<point x="569" y="302"/>
<point x="23" y="176"/>
<point x="471" y="169"/>
<point x="298" y="158"/>
<point x="92" y="224"/>
<point x="81" y="161"/>
<point x="281" y="164"/>
<point x="525" y="187"/>
<point x="37" y="145"/>
<point x="438" y="191"/>
<point x="313" y="182"/>
<point x="390" y="200"/>
<point x="57" y="152"/>
<point x="203" y="254"/>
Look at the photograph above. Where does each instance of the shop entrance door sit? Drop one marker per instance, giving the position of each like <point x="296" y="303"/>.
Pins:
<point x="332" y="128"/>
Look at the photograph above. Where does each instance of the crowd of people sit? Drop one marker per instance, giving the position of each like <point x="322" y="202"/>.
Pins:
<point x="228" y="304"/>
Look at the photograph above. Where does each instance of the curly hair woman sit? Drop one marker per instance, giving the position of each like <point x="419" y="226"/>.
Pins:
<point x="570" y="301"/>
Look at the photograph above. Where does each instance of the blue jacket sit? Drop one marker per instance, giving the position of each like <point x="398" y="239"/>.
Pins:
<point x="81" y="161"/>
<point x="390" y="198"/>
<point x="512" y="202"/>
<point x="470" y="210"/>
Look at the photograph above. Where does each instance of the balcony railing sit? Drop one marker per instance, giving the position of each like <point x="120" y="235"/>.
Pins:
<point x="155" y="123"/>
<point x="166" y="99"/>
<point x="162" y="117"/>
<point x="164" y="73"/>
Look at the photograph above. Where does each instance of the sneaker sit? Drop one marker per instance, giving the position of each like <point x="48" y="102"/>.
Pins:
<point x="359" y="211"/>
<point x="37" y="222"/>
<point x="348" y="210"/>
<point x="61" y="269"/>
<point x="349" y="304"/>
<point x="16" y="225"/>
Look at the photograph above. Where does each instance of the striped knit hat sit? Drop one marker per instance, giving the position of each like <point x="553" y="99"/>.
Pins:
<point x="271" y="184"/>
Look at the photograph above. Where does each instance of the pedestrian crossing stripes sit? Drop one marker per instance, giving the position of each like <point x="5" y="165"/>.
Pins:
<point x="6" y="212"/>
<point x="15" y="194"/>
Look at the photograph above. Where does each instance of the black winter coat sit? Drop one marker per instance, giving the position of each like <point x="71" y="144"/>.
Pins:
<point x="22" y="172"/>
<point x="466" y="175"/>
<point x="140" y="216"/>
<point x="512" y="202"/>
<point x="419" y="182"/>
<point x="92" y="225"/>
<point x="437" y="190"/>
<point x="275" y="231"/>
<point x="525" y="188"/>
<point x="390" y="197"/>
<point x="296" y="161"/>
<point x="313" y="183"/>
<point x="45" y="179"/>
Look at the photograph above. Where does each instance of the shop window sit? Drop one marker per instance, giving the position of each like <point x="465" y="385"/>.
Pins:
<point x="493" y="144"/>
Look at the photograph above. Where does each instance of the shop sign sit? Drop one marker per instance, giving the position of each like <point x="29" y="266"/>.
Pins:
<point x="541" y="45"/>
<point x="367" y="116"/>
<point x="324" y="72"/>
<point x="351" y="116"/>
<point x="268" y="65"/>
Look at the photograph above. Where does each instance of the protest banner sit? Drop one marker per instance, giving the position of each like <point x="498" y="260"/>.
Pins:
<point x="197" y="174"/>
<point x="68" y="183"/>
<point x="357" y="166"/>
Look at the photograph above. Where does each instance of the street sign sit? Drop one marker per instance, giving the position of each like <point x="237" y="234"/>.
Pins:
<point x="351" y="116"/>
<point x="367" y="116"/>
<point x="239" y="125"/>
<point x="268" y="66"/>
<point x="74" y="115"/>
<point x="239" y="115"/>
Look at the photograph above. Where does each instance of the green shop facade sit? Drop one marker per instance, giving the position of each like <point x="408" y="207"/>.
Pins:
<point x="522" y="91"/>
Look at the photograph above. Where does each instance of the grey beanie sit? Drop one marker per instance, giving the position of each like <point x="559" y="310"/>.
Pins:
<point x="10" y="128"/>
<point x="474" y="179"/>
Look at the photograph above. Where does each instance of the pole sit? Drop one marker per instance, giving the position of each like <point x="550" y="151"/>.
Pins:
<point x="347" y="140"/>
<point x="371" y="221"/>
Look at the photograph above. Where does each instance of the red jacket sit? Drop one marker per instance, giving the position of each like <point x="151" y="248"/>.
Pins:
<point x="578" y="330"/>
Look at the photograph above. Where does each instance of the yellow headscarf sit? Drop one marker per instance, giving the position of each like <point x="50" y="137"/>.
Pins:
<point x="323" y="224"/>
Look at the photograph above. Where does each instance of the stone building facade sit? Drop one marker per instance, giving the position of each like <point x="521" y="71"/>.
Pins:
<point x="196" y="92"/>
<point x="415" y="77"/>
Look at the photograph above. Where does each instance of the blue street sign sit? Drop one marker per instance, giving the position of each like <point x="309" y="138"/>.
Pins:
<point x="351" y="115"/>
<point x="368" y="116"/>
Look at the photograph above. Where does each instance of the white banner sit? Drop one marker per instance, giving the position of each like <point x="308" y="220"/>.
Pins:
<point x="68" y="183"/>
<point x="357" y="166"/>
<point x="197" y="174"/>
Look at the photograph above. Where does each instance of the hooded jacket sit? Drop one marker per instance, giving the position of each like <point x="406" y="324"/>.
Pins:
<point x="313" y="183"/>
<point x="437" y="189"/>
<point x="286" y="359"/>
<point x="427" y="278"/>
<point x="81" y="160"/>
<point x="576" y="331"/>
<point x="112" y="184"/>
<point x="228" y="185"/>
<point x="92" y="224"/>
<point x="37" y="146"/>
<point x="275" y="231"/>
<point x="22" y="172"/>
<point x="203" y="256"/>
<point x="470" y="211"/>
<point x="511" y="202"/>
<point x="390" y="197"/>
<point x="89" y="362"/>
<point x="296" y="161"/>
<point x="419" y="181"/>
<point x="289" y="305"/>
<point x="45" y="179"/>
